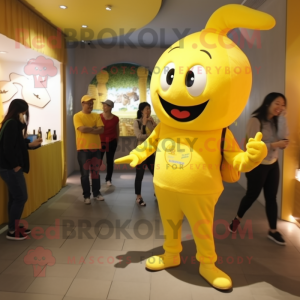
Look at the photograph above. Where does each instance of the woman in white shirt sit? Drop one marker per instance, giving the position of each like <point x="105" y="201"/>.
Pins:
<point x="270" y="119"/>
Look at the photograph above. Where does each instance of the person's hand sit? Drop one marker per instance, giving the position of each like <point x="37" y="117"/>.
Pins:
<point x="256" y="148"/>
<point x="282" y="144"/>
<point x="145" y="119"/>
<point x="131" y="159"/>
<point x="151" y="119"/>
<point x="36" y="143"/>
<point x="16" y="169"/>
<point x="283" y="112"/>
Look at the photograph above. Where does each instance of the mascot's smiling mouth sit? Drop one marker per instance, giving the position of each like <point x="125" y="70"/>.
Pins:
<point x="183" y="113"/>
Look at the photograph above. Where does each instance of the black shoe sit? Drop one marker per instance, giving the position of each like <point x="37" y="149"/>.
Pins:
<point x="16" y="236"/>
<point x="277" y="238"/>
<point x="234" y="225"/>
<point x="24" y="230"/>
<point x="140" y="201"/>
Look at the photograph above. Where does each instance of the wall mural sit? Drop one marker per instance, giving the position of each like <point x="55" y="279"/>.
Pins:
<point x="33" y="89"/>
<point x="127" y="85"/>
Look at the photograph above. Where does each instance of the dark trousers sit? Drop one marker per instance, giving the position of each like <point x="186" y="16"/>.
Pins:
<point x="17" y="191"/>
<point x="140" y="170"/>
<point x="89" y="160"/>
<point x="263" y="177"/>
<point x="110" y="150"/>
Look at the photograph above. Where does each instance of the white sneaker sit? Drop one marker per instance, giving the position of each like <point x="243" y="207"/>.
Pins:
<point x="99" y="198"/>
<point x="108" y="183"/>
<point x="87" y="201"/>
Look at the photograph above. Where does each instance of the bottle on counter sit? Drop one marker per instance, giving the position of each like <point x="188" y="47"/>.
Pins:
<point x="39" y="133"/>
<point x="49" y="136"/>
<point x="54" y="136"/>
<point x="33" y="131"/>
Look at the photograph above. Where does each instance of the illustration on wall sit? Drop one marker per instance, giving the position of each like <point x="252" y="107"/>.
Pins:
<point x="33" y="89"/>
<point x="34" y="96"/>
<point x="127" y="85"/>
<point x="41" y="68"/>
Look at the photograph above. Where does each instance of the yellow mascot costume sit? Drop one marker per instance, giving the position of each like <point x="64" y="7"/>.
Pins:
<point x="200" y="85"/>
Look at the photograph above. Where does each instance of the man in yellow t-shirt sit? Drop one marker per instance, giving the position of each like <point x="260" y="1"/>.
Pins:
<point x="88" y="127"/>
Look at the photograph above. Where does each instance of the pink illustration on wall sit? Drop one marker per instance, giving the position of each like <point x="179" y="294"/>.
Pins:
<point x="40" y="68"/>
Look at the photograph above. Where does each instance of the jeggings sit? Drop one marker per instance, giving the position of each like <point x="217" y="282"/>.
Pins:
<point x="266" y="177"/>
<point x="17" y="191"/>
<point x="89" y="160"/>
<point x="110" y="153"/>
<point x="140" y="170"/>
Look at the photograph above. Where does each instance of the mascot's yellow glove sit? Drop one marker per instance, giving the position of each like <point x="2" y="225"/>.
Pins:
<point x="256" y="149"/>
<point x="250" y="159"/>
<point x="131" y="159"/>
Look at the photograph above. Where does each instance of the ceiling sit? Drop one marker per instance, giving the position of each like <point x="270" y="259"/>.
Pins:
<point x="183" y="16"/>
<point x="125" y="15"/>
<point x="157" y="23"/>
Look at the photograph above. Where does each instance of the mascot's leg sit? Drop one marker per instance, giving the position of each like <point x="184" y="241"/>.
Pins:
<point x="199" y="210"/>
<point x="171" y="215"/>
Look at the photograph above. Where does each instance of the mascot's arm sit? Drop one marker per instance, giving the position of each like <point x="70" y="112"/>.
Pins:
<point x="140" y="153"/>
<point x="248" y="160"/>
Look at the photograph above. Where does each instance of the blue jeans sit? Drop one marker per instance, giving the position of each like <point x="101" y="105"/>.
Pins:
<point x="17" y="191"/>
<point x="89" y="160"/>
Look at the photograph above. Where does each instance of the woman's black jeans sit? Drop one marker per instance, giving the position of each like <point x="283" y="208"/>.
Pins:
<point x="17" y="192"/>
<point x="89" y="160"/>
<point x="262" y="177"/>
<point x="140" y="170"/>
<point x="110" y="150"/>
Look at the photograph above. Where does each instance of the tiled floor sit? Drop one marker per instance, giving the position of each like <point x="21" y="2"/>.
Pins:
<point x="96" y="252"/>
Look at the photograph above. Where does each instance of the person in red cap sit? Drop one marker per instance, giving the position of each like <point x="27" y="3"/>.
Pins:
<point x="88" y="127"/>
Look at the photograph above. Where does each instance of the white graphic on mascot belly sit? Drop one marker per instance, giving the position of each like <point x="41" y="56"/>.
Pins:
<point x="203" y="86"/>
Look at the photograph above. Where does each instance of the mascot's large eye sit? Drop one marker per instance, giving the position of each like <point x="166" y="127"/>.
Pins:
<point x="167" y="76"/>
<point x="195" y="80"/>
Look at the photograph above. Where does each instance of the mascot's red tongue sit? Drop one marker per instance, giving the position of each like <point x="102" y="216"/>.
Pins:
<point x="180" y="114"/>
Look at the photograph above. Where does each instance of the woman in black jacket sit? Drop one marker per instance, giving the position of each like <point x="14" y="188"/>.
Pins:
<point x="14" y="160"/>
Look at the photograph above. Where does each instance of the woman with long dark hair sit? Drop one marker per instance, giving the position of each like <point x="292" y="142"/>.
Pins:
<point x="270" y="119"/>
<point x="143" y="127"/>
<point x="14" y="160"/>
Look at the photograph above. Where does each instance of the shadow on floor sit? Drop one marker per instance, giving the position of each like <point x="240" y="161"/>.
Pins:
<point x="188" y="271"/>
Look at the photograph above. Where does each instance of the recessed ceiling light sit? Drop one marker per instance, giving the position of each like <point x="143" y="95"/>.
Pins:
<point x="3" y="52"/>
<point x="63" y="7"/>
<point x="108" y="7"/>
<point x="84" y="26"/>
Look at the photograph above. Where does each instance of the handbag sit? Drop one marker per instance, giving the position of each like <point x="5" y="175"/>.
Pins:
<point x="228" y="173"/>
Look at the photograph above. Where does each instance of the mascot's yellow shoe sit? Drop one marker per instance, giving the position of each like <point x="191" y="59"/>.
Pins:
<point x="214" y="276"/>
<point x="161" y="262"/>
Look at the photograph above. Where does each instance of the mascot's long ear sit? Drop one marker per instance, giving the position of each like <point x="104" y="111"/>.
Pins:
<point x="233" y="16"/>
